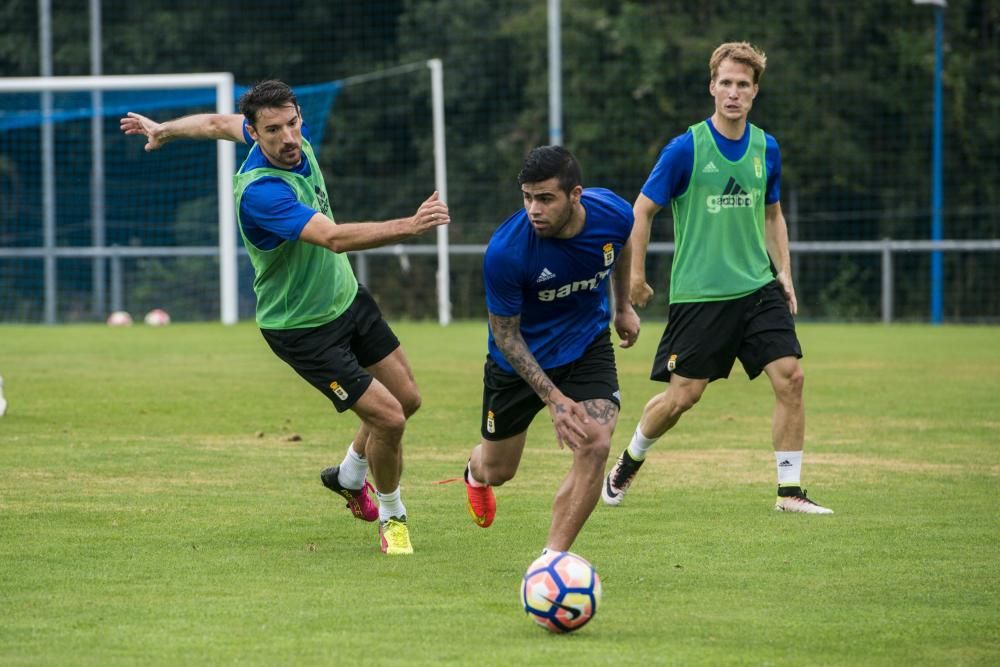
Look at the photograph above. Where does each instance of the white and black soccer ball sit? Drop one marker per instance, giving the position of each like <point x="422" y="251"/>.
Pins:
<point x="561" y="591"/>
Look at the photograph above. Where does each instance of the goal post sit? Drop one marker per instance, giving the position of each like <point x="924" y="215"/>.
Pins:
<point x="220" y="82"/>
<point x="443" y="250"/>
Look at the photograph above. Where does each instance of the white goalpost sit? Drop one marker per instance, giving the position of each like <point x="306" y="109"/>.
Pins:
<point x="443" y="249"/>
<point x="221" y="82"/>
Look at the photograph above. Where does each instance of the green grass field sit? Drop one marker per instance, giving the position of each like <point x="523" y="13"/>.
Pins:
<point x="156" y="508"/>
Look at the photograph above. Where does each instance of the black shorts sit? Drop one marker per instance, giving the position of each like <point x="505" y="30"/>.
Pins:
<point x="333" y="357"/>
<point x="510" y="404"/>
<point x="702" y="340"/>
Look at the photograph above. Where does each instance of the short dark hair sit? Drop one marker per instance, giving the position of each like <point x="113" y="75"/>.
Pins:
<point x="545" y="162"/>
<point x="271" y="94"/>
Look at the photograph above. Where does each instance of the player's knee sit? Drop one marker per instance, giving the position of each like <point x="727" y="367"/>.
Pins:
<point x="595" y="450"/>
<point x="682" y="401"/>
<point x="391" y="422"/>
<point x="798" y="380"/>
<point x="411" y="403"/>
<point x="497" y="475"/>
<point x="792" y="385"/>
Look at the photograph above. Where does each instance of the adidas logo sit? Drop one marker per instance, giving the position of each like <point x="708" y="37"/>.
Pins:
<point x="710" y="168"/>
<point x="733" y="188"/>
<point x="733" y="196"/>
<point x="785" y="464"/>
<point x="545" y="275"/>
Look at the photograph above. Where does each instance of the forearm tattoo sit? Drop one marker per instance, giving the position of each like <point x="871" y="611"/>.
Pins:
<point x="507" y="334"/>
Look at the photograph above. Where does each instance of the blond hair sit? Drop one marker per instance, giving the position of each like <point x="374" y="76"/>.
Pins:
<point x="743" y="53"/>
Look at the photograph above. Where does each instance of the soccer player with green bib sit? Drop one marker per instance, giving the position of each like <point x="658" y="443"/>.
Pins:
<point x="310" y="308"/>
<point x="722" y="179"/>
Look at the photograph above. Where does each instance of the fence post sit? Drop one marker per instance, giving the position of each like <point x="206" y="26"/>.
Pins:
<point x="887" y="281"/>
<point x="362" y="261"/>
<point x="117" y="302"/>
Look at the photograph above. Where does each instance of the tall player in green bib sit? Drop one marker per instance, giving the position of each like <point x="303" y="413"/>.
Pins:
<point x="310" y="308"/>
<point x="722" y="179"/>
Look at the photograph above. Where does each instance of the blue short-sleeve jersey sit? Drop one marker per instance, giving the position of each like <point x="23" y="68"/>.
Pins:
<point x="270" y="213"/>
<point x="671" y="174"/>
<point x="559" y="287"/>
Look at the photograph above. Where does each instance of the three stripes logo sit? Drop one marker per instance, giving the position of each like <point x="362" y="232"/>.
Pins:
<point x="733" y="196"/>
<point x="322" y="201"/>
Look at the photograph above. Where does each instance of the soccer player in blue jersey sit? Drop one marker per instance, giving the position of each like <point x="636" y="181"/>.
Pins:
<point x="723" y="180"/>
<point x="546" y="271"/>
<point x="310" y="308"/>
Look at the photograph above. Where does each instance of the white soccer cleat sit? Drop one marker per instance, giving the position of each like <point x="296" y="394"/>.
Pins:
<point x="618" y="480"/>
<point x="3" y="401"/>
<point x="798" y="502"/>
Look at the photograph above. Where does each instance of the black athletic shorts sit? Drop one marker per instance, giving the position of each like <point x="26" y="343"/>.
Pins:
<point x="333" y="357"/>
<point x="510" y="404"/>
<point x="702" y="340"/>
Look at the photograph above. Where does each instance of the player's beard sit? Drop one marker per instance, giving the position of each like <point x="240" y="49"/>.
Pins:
<point x="554" y="228"/>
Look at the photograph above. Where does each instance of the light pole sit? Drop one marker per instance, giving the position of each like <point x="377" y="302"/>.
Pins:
<point x="555" y="74"/>
<point x="937" y="226"/>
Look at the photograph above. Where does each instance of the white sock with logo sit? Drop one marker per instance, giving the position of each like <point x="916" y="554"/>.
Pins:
<point x="390" y="506"/>
<point x="789" y="467"/>
<point x="353" y="469"/>
<point x="639" y="445"/>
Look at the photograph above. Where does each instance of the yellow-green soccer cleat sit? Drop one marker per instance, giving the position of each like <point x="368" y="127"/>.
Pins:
<point x="395" y="536"/>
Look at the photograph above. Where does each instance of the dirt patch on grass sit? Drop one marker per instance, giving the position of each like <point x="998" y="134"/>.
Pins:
<point x="735" y="465"/>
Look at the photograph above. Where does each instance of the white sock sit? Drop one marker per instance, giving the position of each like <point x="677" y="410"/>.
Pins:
<point x="353" y="469"/>
<point x="639" y="445"/>
<point x="389" y="506"/>
<point x="470" y="478"/>
<point x="789" y="467"/>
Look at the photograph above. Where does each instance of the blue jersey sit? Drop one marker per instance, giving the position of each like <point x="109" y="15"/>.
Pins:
<point x="559" y="287"/>
<point x="672" y="172"/>
<point x="270" y="213"/>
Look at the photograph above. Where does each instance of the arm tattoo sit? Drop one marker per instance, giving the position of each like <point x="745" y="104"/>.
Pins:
<point x="507" y="335"/>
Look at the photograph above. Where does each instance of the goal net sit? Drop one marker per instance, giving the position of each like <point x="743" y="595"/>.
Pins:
<point x="90" y="223"/>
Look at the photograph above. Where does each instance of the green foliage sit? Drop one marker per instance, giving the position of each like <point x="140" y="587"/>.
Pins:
<point x="847" y="92"/>
<point x="844" y="299"/>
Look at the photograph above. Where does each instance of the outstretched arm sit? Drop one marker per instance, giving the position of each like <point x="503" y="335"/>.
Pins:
<point x="776" y="239"/>
<point x="199" y="126"/>
<point x="568" y="416"/>
<point x="322" y="231"/>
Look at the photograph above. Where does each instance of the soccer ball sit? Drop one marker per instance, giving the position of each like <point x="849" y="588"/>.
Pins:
<point x="561" y="591"/>
<point x="119" y="318"/>
<point x="157" y="318"/>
